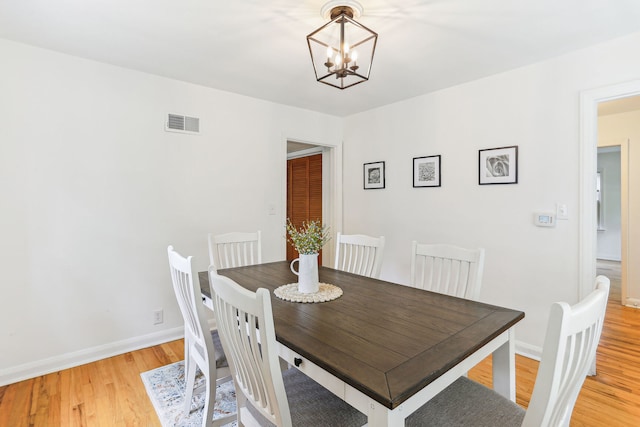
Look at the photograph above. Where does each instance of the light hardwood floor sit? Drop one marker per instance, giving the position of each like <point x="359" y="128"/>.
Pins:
<point x="110" y="393"/>
<point x="612" y="397"/>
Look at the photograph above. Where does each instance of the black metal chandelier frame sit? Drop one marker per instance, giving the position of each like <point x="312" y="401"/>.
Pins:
<point x="339" y="67"/>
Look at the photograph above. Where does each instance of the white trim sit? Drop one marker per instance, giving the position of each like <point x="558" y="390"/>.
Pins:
<point x="88" y="355"/>
<point x="305" y="153"/>
<point x="609" y="257"/>
<point x="527" y="350"/>
<point x="328" y="158"/>
<point x="70" y="360"/>
<point x="333" y="196"/>
<point x="632" y="302"/>
<point x="588" y="164"/>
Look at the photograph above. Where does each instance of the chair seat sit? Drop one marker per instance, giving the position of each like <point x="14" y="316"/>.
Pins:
<point x="313" y="405"/>
<point x="467" y="403"/>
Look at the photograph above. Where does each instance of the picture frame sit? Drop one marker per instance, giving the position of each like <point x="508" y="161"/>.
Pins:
<point x="426" y="171"/>
<point x="498" y="165"/>
<point x="373" y="175"/>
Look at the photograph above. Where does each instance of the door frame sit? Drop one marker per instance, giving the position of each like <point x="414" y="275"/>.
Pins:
<point x="589" y="101"/>
<point x="331" y="191"/>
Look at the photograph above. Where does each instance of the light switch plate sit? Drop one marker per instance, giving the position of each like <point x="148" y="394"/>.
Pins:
<point x="562" y="212"/>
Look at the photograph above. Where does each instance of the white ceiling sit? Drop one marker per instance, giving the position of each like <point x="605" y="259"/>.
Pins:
<point x="258" y="47"/>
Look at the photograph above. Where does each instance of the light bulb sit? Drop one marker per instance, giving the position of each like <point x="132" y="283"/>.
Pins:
<point x="338" y="60"/>
<point x="329" y="52"/>
<point x="346" y="49"/>
<point x="354" y="56"/>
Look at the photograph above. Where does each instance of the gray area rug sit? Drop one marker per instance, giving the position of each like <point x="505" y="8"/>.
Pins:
<point x="165" y="387"/>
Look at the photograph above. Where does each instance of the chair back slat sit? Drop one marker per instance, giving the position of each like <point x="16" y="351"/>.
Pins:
<point x="187" y="296"/>
<point x="447" y="269"/>
<point x="569" y="350"/>
<point x="359" y="254"/>
<point x="245" y="323"/>
<point x="199" y="348"/>
<point x="237" y="249"/>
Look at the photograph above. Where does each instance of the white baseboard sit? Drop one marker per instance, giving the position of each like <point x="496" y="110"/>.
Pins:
<point x="70" y="360"/>
<point x="88" y="355"/>
<point x="609" y="257"/>
<point x="528" y="350"/>
<point x="632" y="302"/>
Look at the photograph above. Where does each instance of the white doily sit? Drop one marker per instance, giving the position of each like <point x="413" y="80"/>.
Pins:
<point x="325" y="293"/>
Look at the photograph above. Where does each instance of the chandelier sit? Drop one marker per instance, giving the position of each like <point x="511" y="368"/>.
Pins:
<point x="342" y="49"/>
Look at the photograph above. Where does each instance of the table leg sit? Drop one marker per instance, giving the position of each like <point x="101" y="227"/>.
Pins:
<point x="380" y="416"/>
<point x="504" y="368"/>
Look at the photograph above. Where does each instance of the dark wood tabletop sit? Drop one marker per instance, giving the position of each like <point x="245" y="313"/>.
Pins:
<point x="386" y="340"/>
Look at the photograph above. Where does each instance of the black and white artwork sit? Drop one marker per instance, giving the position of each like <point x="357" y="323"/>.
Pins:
<point x="426" y="171"/>
<point x="498" y="165"/>
<point x="373" y="175"/>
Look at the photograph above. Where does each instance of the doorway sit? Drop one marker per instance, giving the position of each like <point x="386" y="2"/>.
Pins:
<point x="304" y="194"/>
<point x="331" y="189"/>
<point x="613" y="208"/>
<point x="590" y="103"/>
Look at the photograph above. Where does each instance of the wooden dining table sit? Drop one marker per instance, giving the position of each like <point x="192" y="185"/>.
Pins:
<point x="384" y="348"/>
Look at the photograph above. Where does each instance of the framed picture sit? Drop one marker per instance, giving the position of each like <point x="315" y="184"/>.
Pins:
<point x="373" y="175"/>
<point x="426" y="171"/>
<point x="498" y="165"/>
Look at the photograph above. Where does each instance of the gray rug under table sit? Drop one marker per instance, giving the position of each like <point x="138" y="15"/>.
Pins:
<point x="165" y="387"/>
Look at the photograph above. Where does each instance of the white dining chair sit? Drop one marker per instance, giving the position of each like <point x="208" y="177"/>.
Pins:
<point x="235" y="249"/>
<point x="203" y="348"/>
<point x="570" y="345"/>
<point x="265" y="394"/>
<point x="447" y="269"/>
<point x="359" y="254"/>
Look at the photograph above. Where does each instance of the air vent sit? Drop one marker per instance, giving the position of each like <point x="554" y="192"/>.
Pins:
<point x="184" y="124"/>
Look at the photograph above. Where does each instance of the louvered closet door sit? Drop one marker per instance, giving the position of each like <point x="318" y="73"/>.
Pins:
<point x="304" y="193"/>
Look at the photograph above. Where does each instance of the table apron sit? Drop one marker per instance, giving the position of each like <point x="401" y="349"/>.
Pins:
<point x="207" y="302"/>
<point x="501" y="347"/>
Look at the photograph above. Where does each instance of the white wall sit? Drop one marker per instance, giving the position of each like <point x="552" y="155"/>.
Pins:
<point x="93" y="190"/>
<point x="609" y="238"/>
<point x="534" y="107"/>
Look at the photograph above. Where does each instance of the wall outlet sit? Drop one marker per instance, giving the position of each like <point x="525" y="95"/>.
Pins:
<point x="158" y="317"/>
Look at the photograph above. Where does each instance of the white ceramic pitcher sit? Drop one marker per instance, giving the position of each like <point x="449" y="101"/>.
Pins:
<point x="307" y="273"/>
